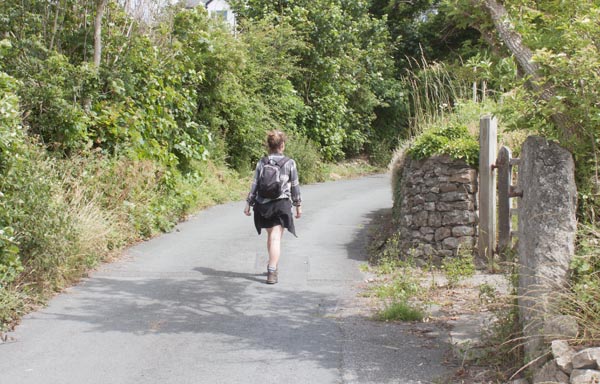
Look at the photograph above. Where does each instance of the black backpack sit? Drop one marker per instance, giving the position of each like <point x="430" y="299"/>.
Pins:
<point x="269" y="183"/>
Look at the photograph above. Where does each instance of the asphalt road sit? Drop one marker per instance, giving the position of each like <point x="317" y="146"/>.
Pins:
<point x="192" y="307"/>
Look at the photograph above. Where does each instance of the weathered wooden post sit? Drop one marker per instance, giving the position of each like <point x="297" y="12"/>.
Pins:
<point x="488" y="127"/>
<point x="504" y="166"/>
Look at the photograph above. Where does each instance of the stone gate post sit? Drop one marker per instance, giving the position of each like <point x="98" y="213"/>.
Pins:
<point x="547" y="227"/>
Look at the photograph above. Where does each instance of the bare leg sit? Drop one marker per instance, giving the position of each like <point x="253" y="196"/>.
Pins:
<point x="274" y="244"/>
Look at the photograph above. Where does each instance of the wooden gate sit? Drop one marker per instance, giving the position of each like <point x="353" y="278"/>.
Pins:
<point x="495" y="175"/>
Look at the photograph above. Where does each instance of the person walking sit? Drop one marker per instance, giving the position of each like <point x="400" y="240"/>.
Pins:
<point x="275" y="188"/>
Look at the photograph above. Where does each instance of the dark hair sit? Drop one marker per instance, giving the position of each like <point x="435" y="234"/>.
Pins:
<point x="275" y="140"/>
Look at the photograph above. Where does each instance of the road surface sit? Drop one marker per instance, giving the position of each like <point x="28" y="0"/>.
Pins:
<point x="192" y="307"/>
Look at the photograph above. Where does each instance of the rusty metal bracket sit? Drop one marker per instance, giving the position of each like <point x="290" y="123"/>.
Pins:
<point x="515" y="192"/>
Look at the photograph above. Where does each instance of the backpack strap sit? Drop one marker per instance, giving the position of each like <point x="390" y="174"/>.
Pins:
<point x="265" y="160"/>
<point x="282" y="162"/>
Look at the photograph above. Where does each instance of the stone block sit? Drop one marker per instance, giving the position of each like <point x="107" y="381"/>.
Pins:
<point x="450" y="243"/>
<point x="421" y="219"/>
<point x="442" y="233"/>
<point x="466" y="241"/>
<point x="444" y="159"/>
<point x="458" y="218"/>
<point x="455" y="206"/>
<point x="435" y="219"/>
<point x="585" y="376"/>
<point x="519" y="381"/>
<point x="426" y="230"/>
<point x="464" y="177"/>
<point x="550" y="373"/>
<point x="417" y="200"/>
<point x="430" y="181"/>
<point x="560" y="327"/>
<point x="547" y="227"/>
<point x="430" y="206"/>
<point x="454" y="196"/>
<point x="446" y="253"/>
<point x="406" y="220"/>
<point x="470" y="188"/>
<point x="448" y="188"/>
<point x="588" y="358"/>
<point x="463" y="230"/>
<point x="563" y="355"/>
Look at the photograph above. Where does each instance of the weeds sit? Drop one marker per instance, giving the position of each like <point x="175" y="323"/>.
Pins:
<point x="504" y="341"/>
<point x="398" y="283"/>
<point x="487" y="294"/>
<point x="581" y="299"/>
<point x="401" y="311"/>
<point x="458" y="268"/>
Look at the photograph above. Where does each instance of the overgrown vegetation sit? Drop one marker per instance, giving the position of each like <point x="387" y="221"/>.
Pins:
<point x="582" y="299"/>
<point x="454" y="141"/>
<point x="106" y="141"/>
<point x="96" y="154"/>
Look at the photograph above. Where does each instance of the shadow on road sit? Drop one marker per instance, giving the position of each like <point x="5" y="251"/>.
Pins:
<point x="231" y="308"/>
<point x="357" y="249"/>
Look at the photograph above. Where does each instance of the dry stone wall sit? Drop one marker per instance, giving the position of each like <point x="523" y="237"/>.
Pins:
<point x="436" y="205"/>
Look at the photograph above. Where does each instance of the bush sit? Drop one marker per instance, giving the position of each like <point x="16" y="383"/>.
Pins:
<point x="307" y="157"/>
<point x="453" y="140"/>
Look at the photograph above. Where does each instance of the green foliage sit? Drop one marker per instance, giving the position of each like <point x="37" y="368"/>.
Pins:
<point x="49" y="85"/>
<point x="453" y="140"/>
<point x="10" y="264"/>
<point x="346" y="66"/>
<point x="559" y="100"/>
<point x="425" y="28"/>
<point x="308" y="159"/>
<point x="400" y="311"/>
<point x="400" y="282"/>
<point x="458" y="268"/>
<point x="487" y="293"/>
<point x="11" y="142"/>
<point x="93" y="158"/>
<point x="582" y="300"/>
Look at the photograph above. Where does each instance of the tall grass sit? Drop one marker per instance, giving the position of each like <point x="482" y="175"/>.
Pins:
<point x="581" y="298"/>
<point x="433" y="92"/>
<point x="578" y="299"/>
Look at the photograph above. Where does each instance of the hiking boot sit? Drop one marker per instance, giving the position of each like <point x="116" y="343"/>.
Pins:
<point x="271" y="277"/>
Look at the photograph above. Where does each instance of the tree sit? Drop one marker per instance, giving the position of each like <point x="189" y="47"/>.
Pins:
<point x="345" y="60"/>
<point x="100" y="7"/>
<point x="557" y="50"/>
